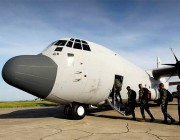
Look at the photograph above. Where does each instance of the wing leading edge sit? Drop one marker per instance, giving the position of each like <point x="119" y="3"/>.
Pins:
<point x="165" y="72"/>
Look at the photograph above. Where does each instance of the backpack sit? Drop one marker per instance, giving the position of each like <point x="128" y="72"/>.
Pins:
<point x="148" y="94"/>
<point x="169" y="96"/>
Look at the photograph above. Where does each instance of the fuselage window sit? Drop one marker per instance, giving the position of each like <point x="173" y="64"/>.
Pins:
<point x="86" y="47"/>
<point x="60" y="43"/>
<point x="69" y="44"/>
<point x="59" y="49"/>
<point x="77" y="41"/>
<point x="77" y="46"/>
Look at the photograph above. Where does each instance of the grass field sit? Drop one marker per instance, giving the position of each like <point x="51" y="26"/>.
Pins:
<point x="26" y="104"/>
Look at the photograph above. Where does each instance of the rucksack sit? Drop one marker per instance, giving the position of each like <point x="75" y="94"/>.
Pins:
<point x="148" y="94"/>
<point x="169" y="96"/>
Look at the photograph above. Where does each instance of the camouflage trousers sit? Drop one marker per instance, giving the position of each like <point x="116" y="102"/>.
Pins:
<point x="145" y="106"/>
<point x="132" y="108"/>
<point x="165" y="113"/>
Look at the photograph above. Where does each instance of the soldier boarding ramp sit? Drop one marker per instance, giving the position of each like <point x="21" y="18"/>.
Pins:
<point x="121" y="108"/>
<point x="115" y="100"/>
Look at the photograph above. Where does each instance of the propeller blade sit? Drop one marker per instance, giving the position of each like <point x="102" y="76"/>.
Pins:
<point x="174" y="55"/>
<point x="170" y="77"/>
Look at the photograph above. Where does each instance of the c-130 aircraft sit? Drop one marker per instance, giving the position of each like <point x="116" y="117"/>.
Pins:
<point x="78" y="73"/>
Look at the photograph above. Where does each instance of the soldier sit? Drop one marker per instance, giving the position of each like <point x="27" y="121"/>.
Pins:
<point x="143" y="98"/>
<point x="117" y="89"/>
<point x="177" y="95"/>
<point x="131" y="101"/>
<point x="164" y="104"/>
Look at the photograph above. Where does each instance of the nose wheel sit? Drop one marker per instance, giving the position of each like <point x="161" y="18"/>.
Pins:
<point x="76" y="111"/>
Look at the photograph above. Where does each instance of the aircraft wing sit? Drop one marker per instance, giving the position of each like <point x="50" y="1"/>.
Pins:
<point x="174" y="83"/>
<point x="165" y="72"/>
<point x="173" y="70"/>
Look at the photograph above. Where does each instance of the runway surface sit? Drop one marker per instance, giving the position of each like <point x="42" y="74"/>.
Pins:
<point x="48" y="123"/>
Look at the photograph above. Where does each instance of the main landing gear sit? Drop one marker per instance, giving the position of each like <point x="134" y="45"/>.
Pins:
<point x="75" y="111"/>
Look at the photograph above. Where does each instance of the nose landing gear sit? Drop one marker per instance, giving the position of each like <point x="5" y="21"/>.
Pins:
<point x="75" y="111"/>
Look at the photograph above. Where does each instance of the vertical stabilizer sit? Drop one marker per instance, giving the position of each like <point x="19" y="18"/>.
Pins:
<point x="158" y="62"/>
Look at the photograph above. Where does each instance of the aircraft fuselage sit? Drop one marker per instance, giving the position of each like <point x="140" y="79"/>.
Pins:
<point x="73" y="70"/>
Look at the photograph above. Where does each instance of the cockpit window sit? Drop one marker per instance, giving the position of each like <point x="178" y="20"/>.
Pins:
<point x="59" y="49"/>
<point x="86" y="47"/>
<point x="60" y="43"/>
<point x="84" y="42"/>
<point x="77" y="46"/>
<point x="77" y="41"/>
<point x="69" y="44"/>
<point x="72" y="39"/>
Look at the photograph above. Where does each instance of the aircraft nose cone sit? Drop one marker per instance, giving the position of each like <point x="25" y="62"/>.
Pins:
<point x="35" y="74"/>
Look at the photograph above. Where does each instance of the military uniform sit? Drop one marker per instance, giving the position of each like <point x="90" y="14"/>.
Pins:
<point x="117" y="88"/>
<point x="164" y="104"/>
<point x="143" y="98"/>
<point x="132" y="102"/>
<point x="177" y="95"/>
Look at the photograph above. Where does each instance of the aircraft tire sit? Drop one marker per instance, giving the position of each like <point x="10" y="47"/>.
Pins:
<point x="78" y="111"/>
<point x="68" y="112"/>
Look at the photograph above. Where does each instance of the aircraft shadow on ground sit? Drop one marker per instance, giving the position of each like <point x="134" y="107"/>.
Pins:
<point x="126" y="118"/>
<point x="56" y="112"/>
<point x="96" y="113"/>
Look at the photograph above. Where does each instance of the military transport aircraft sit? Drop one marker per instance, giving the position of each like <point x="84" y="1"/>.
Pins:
<point x="78" y="73"/>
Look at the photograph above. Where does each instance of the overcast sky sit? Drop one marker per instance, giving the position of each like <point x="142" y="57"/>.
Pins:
<point x="139" y="30"/>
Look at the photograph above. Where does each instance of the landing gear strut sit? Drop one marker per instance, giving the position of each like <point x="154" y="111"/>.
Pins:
<point x="75" y="111"/>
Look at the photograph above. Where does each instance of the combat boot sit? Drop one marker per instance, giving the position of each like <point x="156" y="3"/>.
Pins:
<point x="143" y="119"/>
<point x="165" y="122"/>
<point x="173" y="121"/>
<point x="152" y="119"/>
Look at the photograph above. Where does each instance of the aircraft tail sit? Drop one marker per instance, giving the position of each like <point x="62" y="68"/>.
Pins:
<point x="158" y="62"/>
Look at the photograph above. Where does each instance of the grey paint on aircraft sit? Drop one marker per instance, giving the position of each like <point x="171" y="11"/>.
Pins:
<point x="35" y="74"/>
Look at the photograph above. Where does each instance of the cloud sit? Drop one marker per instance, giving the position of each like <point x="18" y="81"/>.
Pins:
<point x="147" y="59"/>
<point x="138" y="30"/>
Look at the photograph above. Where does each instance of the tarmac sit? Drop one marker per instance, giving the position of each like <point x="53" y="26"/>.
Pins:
<point x="48" y="123"/>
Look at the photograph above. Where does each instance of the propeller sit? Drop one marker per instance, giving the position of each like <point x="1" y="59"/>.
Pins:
<point x="174" y="55"/>
<point x="176" y="65"/>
